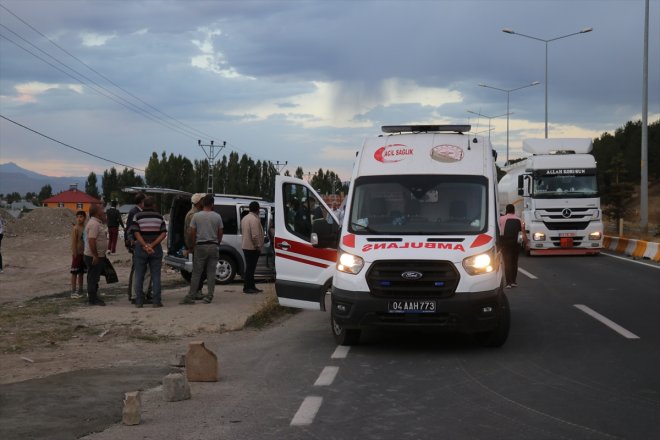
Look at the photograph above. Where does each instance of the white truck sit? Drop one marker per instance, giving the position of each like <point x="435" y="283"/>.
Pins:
<point x="418" y="243"/>
<point x="555" y="192"/>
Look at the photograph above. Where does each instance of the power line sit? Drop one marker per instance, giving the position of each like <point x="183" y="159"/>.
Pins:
<point x="69" y="146"/>
<point x="109" y="94"/>
<point x="188" y="128"/>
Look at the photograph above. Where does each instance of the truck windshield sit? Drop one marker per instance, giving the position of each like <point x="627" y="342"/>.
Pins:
<point x="547" y="186"/>
<point x="419" y="205"/>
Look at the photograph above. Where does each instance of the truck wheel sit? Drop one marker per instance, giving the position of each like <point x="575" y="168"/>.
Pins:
<point x="498" y="336"/>
<point x="186" y="275"/>
<point x="344" y="336"/>
<point x="225" y="271"/>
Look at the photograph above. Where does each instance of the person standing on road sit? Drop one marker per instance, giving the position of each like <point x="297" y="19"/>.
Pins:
<point x="510" y="226"/>
<point x="149" y="230"/>
<point x="96" y="247"/>
<point x="206" y="229"/>
<point x="77" y="255"/>
<point x="129" y="240"/>
<point x="252" y="242"/>
<point x="114" y="221"/>
<point x="188" y="240"/>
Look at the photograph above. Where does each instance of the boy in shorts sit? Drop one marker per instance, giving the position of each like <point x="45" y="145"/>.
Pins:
<point x="77" y="250"/>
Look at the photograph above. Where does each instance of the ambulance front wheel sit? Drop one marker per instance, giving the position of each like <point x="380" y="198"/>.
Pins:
<point x="498" y="336"/>
<point x="342" y="335"/>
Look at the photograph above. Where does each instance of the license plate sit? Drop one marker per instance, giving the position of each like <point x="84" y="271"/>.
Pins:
<point x="411" y="306"/>
<point x="567" y="234"/>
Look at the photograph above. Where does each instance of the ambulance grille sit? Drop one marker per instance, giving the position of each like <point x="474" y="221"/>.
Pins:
<point x="438" y="279"/>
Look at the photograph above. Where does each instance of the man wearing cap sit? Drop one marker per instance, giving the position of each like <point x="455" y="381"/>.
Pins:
<point x="196" y="200"/>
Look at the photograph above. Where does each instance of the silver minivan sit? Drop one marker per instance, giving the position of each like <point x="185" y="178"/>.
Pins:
<point x="231" y="262"/>
<point x="232" y="208"/>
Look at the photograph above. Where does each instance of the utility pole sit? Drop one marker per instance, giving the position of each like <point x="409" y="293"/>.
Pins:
<point x="211" y="155"/>
<point x="644" y="183"/>
<point x="279" y="165"/>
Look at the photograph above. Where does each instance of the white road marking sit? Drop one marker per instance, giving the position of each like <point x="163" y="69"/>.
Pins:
<point x="307" y="411"/>
<point x="529" y="275"/>
<point x="326" y="377"/>
<point x="611" y="324"/>
<point x="340" y="352"/>
<point x="631" y="260"/>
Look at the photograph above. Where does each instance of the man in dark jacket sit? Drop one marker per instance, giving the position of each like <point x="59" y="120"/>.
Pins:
<point x="114" y="222"/>
<point x="510" y="227"/>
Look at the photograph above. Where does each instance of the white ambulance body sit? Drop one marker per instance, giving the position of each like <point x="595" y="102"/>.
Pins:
<point x="417" y="245"/>
<point x="555" y="192"/>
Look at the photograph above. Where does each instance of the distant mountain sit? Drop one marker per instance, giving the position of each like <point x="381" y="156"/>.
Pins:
<point x="16" y="179"/>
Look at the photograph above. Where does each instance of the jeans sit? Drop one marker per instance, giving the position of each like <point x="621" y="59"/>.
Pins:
<point x="93" y="277"/>
<point x="205" y="258"/>
<point x="155" y="261"/>
<point x="251" y="259"/>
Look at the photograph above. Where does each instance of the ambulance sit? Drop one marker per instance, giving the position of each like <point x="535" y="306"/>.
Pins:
<point x="418" y="241"/>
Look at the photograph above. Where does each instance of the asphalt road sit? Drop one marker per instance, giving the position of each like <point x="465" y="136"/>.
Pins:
<point x="581" y="362"/>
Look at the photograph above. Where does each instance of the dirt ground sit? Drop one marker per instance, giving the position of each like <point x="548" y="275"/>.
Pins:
<point x="43" y="331"/>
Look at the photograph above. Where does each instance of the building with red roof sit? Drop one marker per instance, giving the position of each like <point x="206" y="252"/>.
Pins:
<point x="72" y="199"/>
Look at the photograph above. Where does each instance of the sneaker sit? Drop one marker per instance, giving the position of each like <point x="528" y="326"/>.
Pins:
<point x="208" y="299"/>
<point x="251" y="291"/>
<point x="156" y="305"/>
<point x="98" y="302"/>
<point x="508" y="286"/>
<point x="514" y="284"/>
<point x="75" y="295"/>
<point x="187" y="300"/>
<point x="199" y="296"/>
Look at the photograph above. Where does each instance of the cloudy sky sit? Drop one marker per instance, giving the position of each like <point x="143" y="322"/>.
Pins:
<point x="306" y="81"/>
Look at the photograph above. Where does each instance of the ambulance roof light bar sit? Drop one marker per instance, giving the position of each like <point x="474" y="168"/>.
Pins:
<point x="425" y="128"/>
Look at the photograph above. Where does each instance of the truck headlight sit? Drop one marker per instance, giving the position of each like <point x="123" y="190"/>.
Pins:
<point x="480" y="263"/>
<point x="349" y="263"/>
<point x="595" y="235"/>
<point x="538" y="236"/>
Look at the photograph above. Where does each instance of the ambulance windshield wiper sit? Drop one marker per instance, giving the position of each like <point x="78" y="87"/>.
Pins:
<point x="361" y="227"/>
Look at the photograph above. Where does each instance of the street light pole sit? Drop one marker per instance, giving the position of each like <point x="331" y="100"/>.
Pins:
<point x="489" y="118"/>
<point x="583" y="31"/>
<point x="508" y="92"/>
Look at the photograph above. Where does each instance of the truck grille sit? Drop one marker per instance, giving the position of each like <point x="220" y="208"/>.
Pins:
<point x="438" y="279"/>
<point x="564" y="226"/>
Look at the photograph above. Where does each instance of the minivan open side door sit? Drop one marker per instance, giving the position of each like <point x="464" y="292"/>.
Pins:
<point x="306" y="238"/>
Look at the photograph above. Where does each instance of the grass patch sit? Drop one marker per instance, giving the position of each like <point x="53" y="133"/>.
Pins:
<point x="268" y="314"/>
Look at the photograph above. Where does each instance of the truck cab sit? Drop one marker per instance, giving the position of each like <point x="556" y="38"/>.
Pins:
<point x="418" y="241"/>
<point x="555" y="191"/>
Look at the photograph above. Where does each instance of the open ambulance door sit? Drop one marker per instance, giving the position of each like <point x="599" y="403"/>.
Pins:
<point x="306" y="239"/>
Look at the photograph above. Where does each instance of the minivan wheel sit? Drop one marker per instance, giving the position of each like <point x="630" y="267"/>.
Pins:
<point x="343" y="336"/>
<point x="225" y="271"/>
<point x="498" y="336"/>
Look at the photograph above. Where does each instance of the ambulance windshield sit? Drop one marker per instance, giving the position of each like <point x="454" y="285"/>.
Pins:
<point x="419" y="205"/>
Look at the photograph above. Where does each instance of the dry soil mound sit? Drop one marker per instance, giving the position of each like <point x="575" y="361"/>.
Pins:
<point x="49" y="221"/>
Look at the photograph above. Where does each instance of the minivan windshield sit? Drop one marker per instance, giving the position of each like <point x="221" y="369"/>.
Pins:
<point x="419" y="205"/>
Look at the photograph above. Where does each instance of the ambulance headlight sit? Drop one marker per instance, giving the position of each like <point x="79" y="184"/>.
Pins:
<point x="480" y="263"/>
<point x="349" y="263"/>
<point x="595" y="235"/>
<point x="538" y="236"/>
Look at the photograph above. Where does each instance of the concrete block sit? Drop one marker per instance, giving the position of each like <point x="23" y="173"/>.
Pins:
<point x="201" y="363"/>
<point x="132" y="412"/>
<point x="175" y="387"/>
